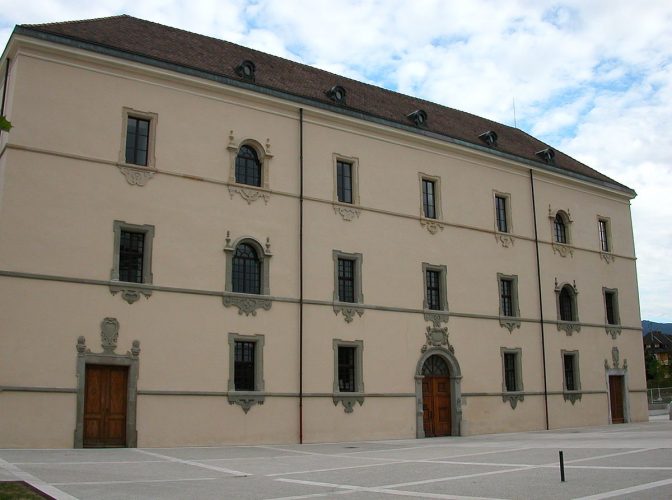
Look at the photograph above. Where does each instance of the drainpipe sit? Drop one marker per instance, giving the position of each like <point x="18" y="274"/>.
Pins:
<point x="301" y="275"/>
<point x="541" y="304"/>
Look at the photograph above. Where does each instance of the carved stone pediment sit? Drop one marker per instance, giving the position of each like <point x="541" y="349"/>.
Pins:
<point x="513" y="398"/>
<point x="109" y="333"/>
<point x="563" y="250"/>
<point x="249" y="194"/>
<point x="506" y="240"/>
<point x="607" y="257"/>
<point x="348" y="310"/>
<point x="509" y="323"/>
<point x="572" y="397"/>
<point x="136" y="176"/>
<point x="569" y="327"/>
<point x="245" y="400"/>
<point x="348" y="401"/>
<point x="247" y="305"/>
<point x="436" y="317"/>
<point x="437" y="337"/>
<point x="613" y="330"/>
<point x="129" y="293"/>
<point x="347" y="213"/>
<point x="431" y="225"/>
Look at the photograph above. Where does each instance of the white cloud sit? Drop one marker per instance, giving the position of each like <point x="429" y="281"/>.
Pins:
<point x="594" y="78"/>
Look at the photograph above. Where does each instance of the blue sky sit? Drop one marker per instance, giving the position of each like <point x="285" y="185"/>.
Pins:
<point x="592" y="78"/>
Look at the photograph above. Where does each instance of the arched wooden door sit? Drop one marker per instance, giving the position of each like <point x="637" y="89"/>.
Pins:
<point x="436" y="397"/>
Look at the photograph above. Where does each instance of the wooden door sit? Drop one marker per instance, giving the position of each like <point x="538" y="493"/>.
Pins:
<point x="616" y="399"/>
<point x="436" y="406"/>
<point x="105" y="391"/>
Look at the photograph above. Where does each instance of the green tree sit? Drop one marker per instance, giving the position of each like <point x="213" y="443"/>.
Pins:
<point x="5" y="124"/>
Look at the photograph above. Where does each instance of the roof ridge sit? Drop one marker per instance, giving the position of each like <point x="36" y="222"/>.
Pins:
<point x="77" y="21"/>
<point x="291" y="61"/>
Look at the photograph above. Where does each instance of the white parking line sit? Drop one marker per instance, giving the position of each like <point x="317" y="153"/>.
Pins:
<point x="375" y="489"/>
<point x="626" y="491"/>
<point x="137" y="481"/>
<point x="193" y="463"/>
<point x="35" y="482"/>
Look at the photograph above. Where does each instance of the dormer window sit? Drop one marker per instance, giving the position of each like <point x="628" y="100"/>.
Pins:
<point x="547" y="155"/>
<point x="419" y="117"/>
<point x="489" y="137"/>
<point x="337" y="94"/>
<point x="246" y="70"/>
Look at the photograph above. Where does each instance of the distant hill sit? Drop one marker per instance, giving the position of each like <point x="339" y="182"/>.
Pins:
<point x="650" y="326"/>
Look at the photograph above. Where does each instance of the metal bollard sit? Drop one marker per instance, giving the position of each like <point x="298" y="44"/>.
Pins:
<point x="562" y="468"/>
<point x="669" y="408"/>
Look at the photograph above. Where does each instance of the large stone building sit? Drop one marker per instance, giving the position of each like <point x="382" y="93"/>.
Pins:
<point x="204" y="244"/>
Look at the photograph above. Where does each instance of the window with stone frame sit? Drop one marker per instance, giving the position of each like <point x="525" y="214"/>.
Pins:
<point x="248" y="167"/>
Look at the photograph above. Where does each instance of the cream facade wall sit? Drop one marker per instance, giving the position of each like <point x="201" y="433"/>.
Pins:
<point x="62" y="190"/>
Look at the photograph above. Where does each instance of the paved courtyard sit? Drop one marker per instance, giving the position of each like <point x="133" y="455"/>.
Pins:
<point x="619" y="461"/>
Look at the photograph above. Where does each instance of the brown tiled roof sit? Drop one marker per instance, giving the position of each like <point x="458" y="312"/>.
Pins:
<point x="136" y="37"/>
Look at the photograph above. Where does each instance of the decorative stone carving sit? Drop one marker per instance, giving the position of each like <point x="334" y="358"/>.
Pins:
<point x="81" y="346"/>
<point x="437" y="337"/>
<point x="616" y="360"/>
<point x="505" y="239"/>
<point x="348" y="402"/>
<point x="347" y="213"/>
<point x="247" y="305"/>
<point x="513" y="399"/>
<point x="136" y="176"/>
<point x="509" y="323"/>
<point x="613" y="330"/>
<point x="431" y="225"/>
<point x="249" y="194"/>
<point x="348" y="311"/>
<point x="437" y="317"/>
<point x="245" y="401"/>
<point x="135" y="350"/>
<point x="130" y="295"/>
<point x="569" y="327"/>
<point x="572" y="397"/>
<point x="563" y="250"/>
<point x="607" y="257"/>
<point x="109" y="333"/>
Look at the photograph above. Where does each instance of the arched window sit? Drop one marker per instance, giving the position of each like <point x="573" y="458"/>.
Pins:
<point x="560" y="229"/>
<point x="248" y="167"/>
<point x="567" y="304"/>
<point x="246" y="272"/>
<point x="435" y="366"/>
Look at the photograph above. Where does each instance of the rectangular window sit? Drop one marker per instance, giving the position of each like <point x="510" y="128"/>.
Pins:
<point x="510" y="372"/>
<point x="506" y="296"/>
<point x="243" y="370"/>
<point x="346" y="369"/>
<point x="137" y="140"/>
<point x="246" y="370"/>
<point x="508" y="300"/>
<point x="344" y="181"/>
<point x="570" y="379"/>
<point x="348" y="381"/>
<point x="132" y="253"/>
<point x="429" y="198"/>
<point x="603" y="226"/>
<point x="346" y="280"/>
<point x="501" y="213"/>
<point x="611" y="307"/>
<point x="433" y="289"/>
<point x="131" y="256"/>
